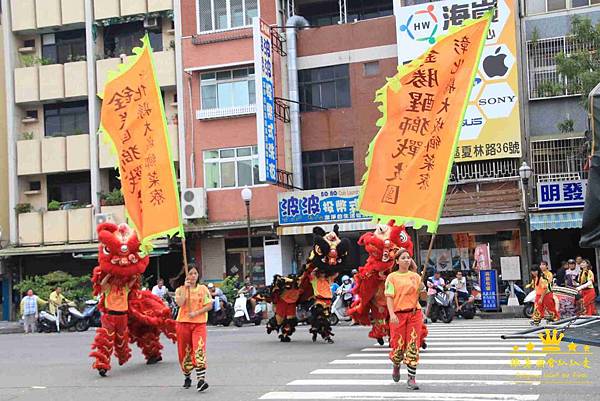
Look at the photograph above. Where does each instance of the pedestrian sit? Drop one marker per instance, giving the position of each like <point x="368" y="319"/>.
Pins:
<point x="544" y="299"/>
<point x="194" y="302"/>
<point x="578" y="262"/>
<point x="572" y="274"/>
<point x="559" y="278"/>
<point x="432" y="283"/>
<point x="160" y="290"/>
<point x="546" y="271"/>
<point x="402" y="289"/>
<point x="56" y="299"/>
<point x="586" y="287"/>
<point x="30" y="305"/>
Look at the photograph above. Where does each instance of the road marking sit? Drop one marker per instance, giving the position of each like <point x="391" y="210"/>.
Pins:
<point x="434" y="349"/>
<point x="433" y="362"/>
<point x="464" y="335"/>
<point x="437" y="341"/>
<point x="433" y="353"/>
<point x="431" y="372"/>
<point x="341" y="395"/>
<point x="368" y="382"/>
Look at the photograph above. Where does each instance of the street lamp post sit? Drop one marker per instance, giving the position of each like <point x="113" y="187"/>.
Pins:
<point x="525" y="174"/>
<point x="247" y="197"/>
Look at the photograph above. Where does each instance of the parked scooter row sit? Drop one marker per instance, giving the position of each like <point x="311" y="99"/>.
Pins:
<point x="70" y="318"/>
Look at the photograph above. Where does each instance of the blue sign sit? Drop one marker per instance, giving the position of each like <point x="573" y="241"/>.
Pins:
<point x="319" y="206"/>
<point x="561" y="194"/>
<point x="488" y="280"/>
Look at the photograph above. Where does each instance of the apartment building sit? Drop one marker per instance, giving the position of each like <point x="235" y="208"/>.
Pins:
<point x="61" y="175"/>
<point x="5" y="282"/>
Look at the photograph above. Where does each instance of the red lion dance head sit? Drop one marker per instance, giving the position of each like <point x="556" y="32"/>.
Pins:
<point x="383" y="243"/>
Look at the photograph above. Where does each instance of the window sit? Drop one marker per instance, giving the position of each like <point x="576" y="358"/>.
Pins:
<point x="64" y="47"/>
<point x="226" y="89"/>
<point x="371" y="68"/>
<point x="72" y="187"/>
<point x="225" y="14"/>
<point x="329" y="168"/>
<point x="69" y="118"/>
<point x="327" y="87"/>
<point x="230" y="168"/>
<point x="558" y="159"/>
<point x="544" y="6"/>
<point x="122" y="38"/>
<point x="328" y="12"/>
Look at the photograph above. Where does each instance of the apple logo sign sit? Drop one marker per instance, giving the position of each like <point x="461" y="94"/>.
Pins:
<point x="493" y="65"/>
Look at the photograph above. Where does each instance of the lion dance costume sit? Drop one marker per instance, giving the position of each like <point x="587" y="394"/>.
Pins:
<point x="128" y="313"/>
<point x="285" y="292"/>
<point x="326" y="258"/>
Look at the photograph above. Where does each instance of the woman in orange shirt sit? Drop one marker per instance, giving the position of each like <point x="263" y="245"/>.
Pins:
<point x="544" y="299"/>
<point x="402" y="288"/>
<point x="586" y="287"/>
<point x="194" y="302"/>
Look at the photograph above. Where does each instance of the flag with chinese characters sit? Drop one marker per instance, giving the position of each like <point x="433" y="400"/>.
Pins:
<point x="409" y="160"/>
<point x="133" y="120"/>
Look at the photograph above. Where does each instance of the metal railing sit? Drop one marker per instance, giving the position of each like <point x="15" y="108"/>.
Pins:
<point x="484" y="170"/>
<point x="558" y="159"/>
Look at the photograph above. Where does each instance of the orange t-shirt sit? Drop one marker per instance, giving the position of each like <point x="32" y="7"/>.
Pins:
<point x="542" y="286"/>
<point x="115" y="298"/>
<point x="549" y="275"/>
<point x="321" y="287"/>
<point x="403" y="288"/>
<point x="199" y="297"/>
<point x="290" y="296"/>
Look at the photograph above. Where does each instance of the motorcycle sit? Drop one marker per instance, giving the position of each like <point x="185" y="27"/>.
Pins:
<point x="241" y="315"/>
<point x="91" y="313"/>
<point x="223" y="316"/>
<point x="441" y="307"/>
<point x="465" y="308"/>
<point x="170" y="300"/>
<point x="70" y="318"/>
<point x="339" y="306"/>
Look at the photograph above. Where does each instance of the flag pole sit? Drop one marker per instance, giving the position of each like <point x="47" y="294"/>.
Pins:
<point x="424" y="272"/>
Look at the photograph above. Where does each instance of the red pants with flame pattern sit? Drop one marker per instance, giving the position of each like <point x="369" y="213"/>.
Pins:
<point x="191" y="346"/>
<point x="112" y="336"/>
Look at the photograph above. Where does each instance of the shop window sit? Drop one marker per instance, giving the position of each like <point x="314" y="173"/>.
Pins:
<point x="331" y="168"/>
<point x="216" y="15"/>
<point x="122" y="38"/>
<point x="69" y="188"/>
<point x="68" y="118"/>
<point x="327" y="87"/>
<point x="64" y="47"/>
<point x="236" y="259"/>
<point x="228" y="88"/>
<point x="231" y="168"/>
<point x="546" y="6"/>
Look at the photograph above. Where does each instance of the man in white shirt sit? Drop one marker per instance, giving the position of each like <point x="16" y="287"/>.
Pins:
<point x="459" y="283"/>
<point x="160" y="290"/>
<point x="572" y="274"/>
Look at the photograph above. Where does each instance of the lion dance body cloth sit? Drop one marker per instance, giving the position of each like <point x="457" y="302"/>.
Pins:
<point x="129" y="315"/>
<point x="285" y="292"/>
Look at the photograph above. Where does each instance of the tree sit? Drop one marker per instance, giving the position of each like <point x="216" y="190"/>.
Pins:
<point x="75" y="288"/>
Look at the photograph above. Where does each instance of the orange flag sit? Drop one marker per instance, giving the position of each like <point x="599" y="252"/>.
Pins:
<point x="409" y="160"/>
<point x="133" y="118"/>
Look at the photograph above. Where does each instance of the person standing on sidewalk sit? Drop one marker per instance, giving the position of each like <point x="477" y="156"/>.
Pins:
<point x="30" y="305"/>
<point x="402" y="289"/>
<point x="586" y="287"/>
<point x="194" y="302"/>
<point x="56" y="299"/>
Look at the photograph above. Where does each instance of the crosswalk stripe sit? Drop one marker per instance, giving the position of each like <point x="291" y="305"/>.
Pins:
<point x="342" y="395"/>
<point x="432" y="372"/>
<point x="377" y="382"/>
<point x="429" y="353"/>
<point x="432" y="362"/>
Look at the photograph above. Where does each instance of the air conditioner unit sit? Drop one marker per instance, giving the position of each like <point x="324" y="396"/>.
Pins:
<point x="151" y="22"/>
<point x="193" y="203"/>
<point x="100" y="218"/>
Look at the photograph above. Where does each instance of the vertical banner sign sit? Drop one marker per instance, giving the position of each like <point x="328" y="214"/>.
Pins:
<point x="409" y="160"/>
<point x="491" y="127"/>
<point x="546" y="255"/>
<point x="133" y="120"/>
<point x="489" y="289"/>
<point x="482" y="256"/>
<point x="265" y="101"/>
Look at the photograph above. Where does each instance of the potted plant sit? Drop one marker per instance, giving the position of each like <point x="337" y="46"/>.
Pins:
<point x="23" y="208"/>
<point x="53" y="205"/>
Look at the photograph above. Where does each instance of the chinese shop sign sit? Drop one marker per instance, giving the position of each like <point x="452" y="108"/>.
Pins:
<point x="423" y="104"/>
<point x="489" y="289"/>
<point x="491" y="126"/>
<point x="561" y="194"/>
<point x="133" y="119"/>
<point x="319" y="206"/>
<point x="265" y="102"/>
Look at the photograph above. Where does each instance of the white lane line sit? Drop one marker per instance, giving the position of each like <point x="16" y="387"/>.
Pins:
<point x="376" y="382"/>
<point x="515" y="373"/>
<point x="436" y="348"/>
<point x="433" y="362"/>
<point x="340" y="395"/>
<point x="432" y="353"/>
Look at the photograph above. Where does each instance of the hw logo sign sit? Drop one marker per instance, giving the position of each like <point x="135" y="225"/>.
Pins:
<point x="422" y="25"/>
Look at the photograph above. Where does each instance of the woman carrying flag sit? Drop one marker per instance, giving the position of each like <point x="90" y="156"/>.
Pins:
<point x="586" y="287"/>
<point x="402" y="289"/>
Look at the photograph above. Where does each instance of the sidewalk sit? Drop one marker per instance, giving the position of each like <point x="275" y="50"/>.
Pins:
<point x="10" y="327"/>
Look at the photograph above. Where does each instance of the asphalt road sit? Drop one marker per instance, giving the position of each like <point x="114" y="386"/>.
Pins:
<point x="246" y="364"/>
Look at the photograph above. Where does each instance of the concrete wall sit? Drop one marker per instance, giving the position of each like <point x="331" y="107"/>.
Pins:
<point x="3" y="151"/>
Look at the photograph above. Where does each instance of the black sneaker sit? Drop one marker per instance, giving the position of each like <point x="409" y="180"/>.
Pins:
<point x="153" y="360"/>
<point x="380" y="341"/>
<point x="102" y="372"/>
<point x="187" y="383"/>
<point x="424" y="345"/>
<point x="201" y="386"/>
<point x="329" y="340"/>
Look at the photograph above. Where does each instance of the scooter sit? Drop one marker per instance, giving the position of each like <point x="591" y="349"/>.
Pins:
<point x="223" y="316"/>
<point x="340" y="306"/>
<point x="241" y="315"/>
<point x="91" y="313"/>
<point x="441" y="307"/>
<point x="71" y="317"/>
<point x="529" y="304"/>
<point x="466" y="309"/>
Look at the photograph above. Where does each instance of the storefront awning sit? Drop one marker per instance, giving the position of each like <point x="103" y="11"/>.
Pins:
<point x="556" y="221"/>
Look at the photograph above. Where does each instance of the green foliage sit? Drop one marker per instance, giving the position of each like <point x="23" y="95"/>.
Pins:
<point x="33" y="60"/>
<point x="113" y="198"/>
<point x="566" y="126"/>
<point x="581" y="67"/>
<point x="550" y="88"/>
<point x="23" y="208"/>
<point x="229" y="287"/>
<point x="27" y="136"/>
<point x="78" y="289"/>
<point x="53" y="205"/>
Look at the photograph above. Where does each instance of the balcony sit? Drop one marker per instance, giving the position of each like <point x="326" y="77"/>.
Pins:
<point x="22" y="15"/>
<point x="52" y="81"/>
<point x="29" y="159"/>
<point x="48" y="13"/>
<point x="80" y="224"/>
<point x="117" y="213"/>
<point x="35" y="14"/>
<point x="76" y="79"/>
<point x="211" y="114"/>
<point x="114" y="8"/>
<point x="106" y="9"/>
<point x="73" y="11"/>
<point x="102" y="69"/>
<point x="132" y="7"/>
<point x="54" y="155"/>
<point x="165" y="69"/>
<point x="159" y="5"/>
<point x="26" y="85"/>
<point x="106" y="158"/>
<point x="30" y="229"/>
<point x="56" y="227"/>
<point x="78" y="152"/>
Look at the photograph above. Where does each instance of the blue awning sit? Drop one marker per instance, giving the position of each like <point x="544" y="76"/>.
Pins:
<point x="556" y="221"/>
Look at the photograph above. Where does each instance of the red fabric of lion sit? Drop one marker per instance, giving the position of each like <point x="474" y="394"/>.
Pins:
<point x="369" y="306"/>
<point x="128" y="313"/>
